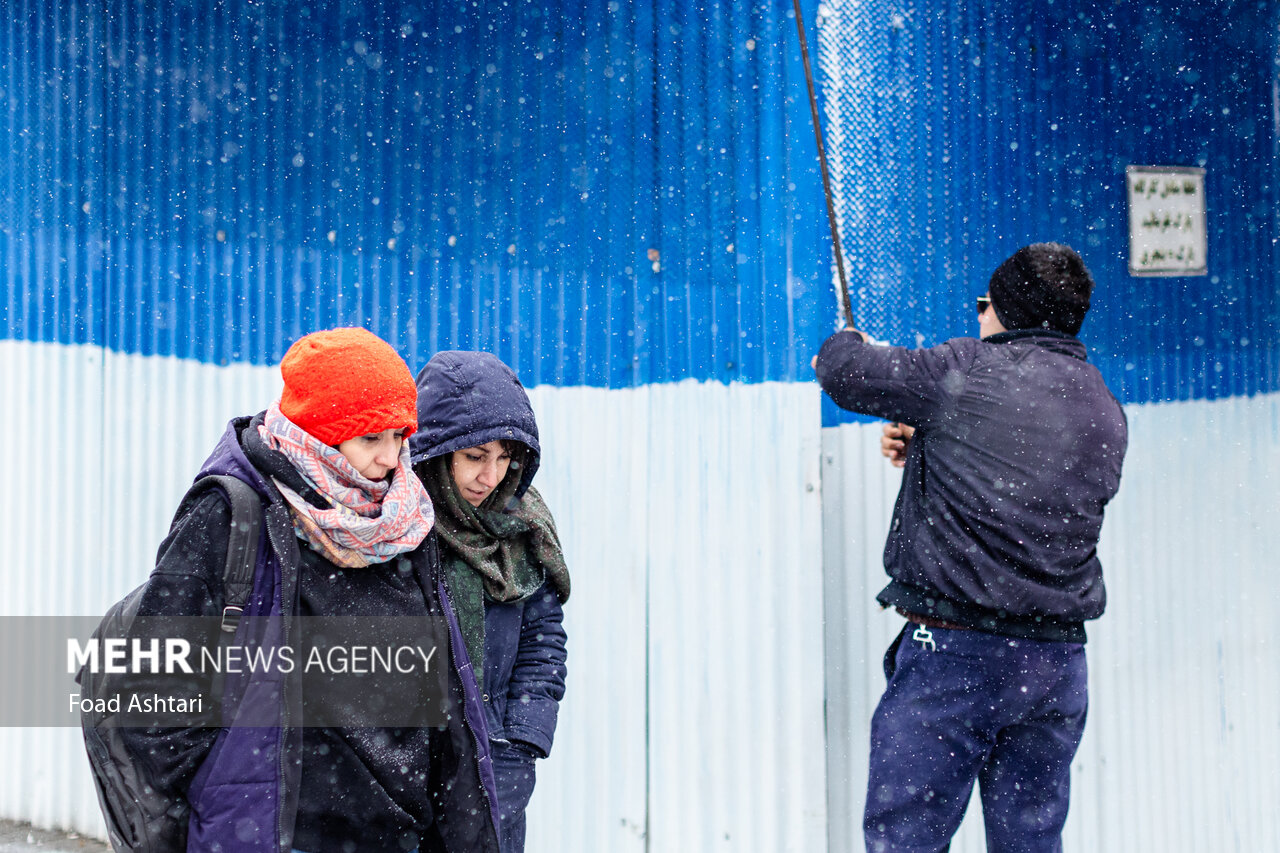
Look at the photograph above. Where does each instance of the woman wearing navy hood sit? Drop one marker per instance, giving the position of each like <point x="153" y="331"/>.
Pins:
<point x="476" y="451"/>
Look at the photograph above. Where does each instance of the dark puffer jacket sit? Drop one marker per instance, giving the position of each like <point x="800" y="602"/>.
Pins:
<point x="245" y="784"/>
<point x="466" y="399"/>
<point x="1018" y="448"/>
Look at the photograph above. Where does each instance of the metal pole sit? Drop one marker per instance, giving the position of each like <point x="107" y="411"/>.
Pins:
<point x="845" y="304"/>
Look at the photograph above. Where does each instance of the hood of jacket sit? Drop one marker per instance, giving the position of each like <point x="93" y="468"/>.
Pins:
<point x="466" y="399"/>
<point x="229" y="458"/>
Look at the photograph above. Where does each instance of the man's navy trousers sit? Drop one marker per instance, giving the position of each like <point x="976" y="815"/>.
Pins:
<point x="963" y="705"/>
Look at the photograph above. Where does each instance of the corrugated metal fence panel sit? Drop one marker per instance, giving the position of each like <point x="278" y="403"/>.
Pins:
<point x="735" y="575"/>
<point x="694" y="524"/>
<point x="1184" y="687"/>
<point x="1184" y="669"/>
<point x="858" y="491"/>
<point x="52" y="396"/>
<point x="689" y="513"/>
<point x="591" y="793"/>
<point x="961" y="131"/>
<point x="104" y="445"/>
<point x="602" y="194"/>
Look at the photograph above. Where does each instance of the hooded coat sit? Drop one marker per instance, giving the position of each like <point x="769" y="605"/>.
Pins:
<point x="467" y="399"/>
<point x="242" y="782"/>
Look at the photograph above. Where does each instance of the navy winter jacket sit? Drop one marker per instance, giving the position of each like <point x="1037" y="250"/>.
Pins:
<point x="1018" y="448"/>
<point x="466" y="399"/>
<point x="242" y="782"/>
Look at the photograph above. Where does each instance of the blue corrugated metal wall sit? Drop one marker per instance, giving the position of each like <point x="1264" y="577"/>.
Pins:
<point x="601" y="193"/>
<point x="620" y="193"/>
<point x="979" y="127"/>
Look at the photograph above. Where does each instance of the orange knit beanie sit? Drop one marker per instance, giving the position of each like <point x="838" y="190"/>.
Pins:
<point x="344" y="383"/>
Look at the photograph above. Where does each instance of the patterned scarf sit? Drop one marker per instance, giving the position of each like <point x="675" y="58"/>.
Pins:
<point x="368" y="522"/>
<point x="492" y="554"/>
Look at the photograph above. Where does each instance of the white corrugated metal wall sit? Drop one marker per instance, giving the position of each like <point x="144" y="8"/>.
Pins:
<point x="690" y="515"/>
<point x="102" y="446"/>
<point x="1184" y="721"/>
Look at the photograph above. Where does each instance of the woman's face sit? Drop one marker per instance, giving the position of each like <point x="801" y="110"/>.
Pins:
<point x="375" y="455"/>
<point x="477" y="471"/>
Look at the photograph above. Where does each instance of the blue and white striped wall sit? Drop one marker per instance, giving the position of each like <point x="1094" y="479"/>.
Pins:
<point x="622" y="201"/>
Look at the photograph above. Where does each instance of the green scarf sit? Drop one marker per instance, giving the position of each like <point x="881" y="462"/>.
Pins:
<point x="492" y="554"/>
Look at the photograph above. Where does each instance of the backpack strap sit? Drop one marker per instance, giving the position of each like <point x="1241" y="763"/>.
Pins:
<point x="242" y="549"/>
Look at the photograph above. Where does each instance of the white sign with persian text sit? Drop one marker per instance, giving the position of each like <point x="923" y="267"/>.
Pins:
<point x="1167" y="233"/>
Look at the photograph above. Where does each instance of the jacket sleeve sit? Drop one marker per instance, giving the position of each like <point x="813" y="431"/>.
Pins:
<point x="537" y="677"/>
<point x="916" y="387"/>
<point x="182" y="598"/>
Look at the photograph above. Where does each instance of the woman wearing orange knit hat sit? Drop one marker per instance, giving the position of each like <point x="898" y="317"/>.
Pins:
<point x="293" y="761"/>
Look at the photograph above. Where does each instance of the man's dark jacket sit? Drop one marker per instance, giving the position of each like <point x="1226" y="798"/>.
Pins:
<point x="1017" y="450"/>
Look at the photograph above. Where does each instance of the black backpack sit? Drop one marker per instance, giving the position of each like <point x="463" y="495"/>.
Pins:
<point x="138" y="817"/>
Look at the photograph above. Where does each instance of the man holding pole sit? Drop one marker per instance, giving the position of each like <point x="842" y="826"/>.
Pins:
<point x="1012" y="446"/>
